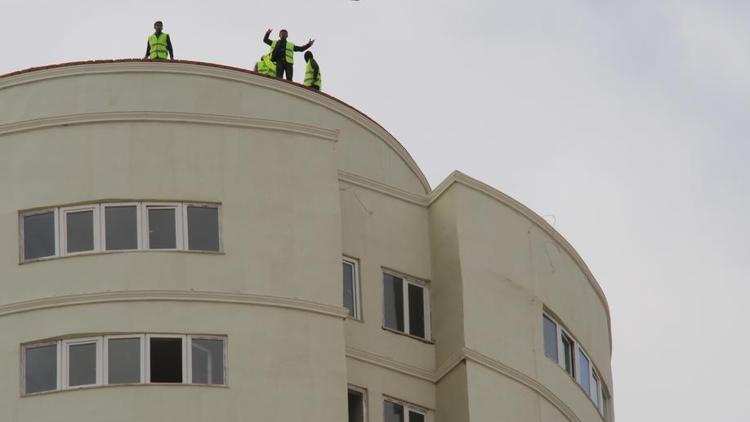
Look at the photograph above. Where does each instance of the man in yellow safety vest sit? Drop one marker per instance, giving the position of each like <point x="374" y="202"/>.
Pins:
<point x="313" y="77"/>
<point x="159" y="45"/>
<point x="282" y="53"/>
<point x="265" y="66"/>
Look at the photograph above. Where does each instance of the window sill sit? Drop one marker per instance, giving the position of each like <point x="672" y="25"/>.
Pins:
<point x="135" y="384"/>
<point x="97" y="253"/>
<point x="401" y="333"/>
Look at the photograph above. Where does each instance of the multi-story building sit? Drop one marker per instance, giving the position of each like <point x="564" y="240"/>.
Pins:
<point x="176" y="239"/>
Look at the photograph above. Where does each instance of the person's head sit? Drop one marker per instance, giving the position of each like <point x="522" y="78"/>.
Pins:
<point x="158" y="26"/>
<point x="283" y="34"/>
<point x="308" y="56"/>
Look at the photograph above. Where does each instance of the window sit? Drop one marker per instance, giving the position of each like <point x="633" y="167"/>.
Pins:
<point x="39" y="235"/>
<point x="584" y="371"/>
<point x="399" y="412"/>
<point x="351" y="287"/>
<point x="161" y="226"/>
<point x="405" y="306"/>
<point x="596" y="389"/>
<point x="79" y="229"/>
<point x="40" y="368"/>
<point x="356" y="405"/>
<point x="207" y="361"/>
<point x="203" y="228"/>
<point x="120" y="227"/>
<point x="82" y="360"/>
<point x="560" y="347"/>
<point x="550" y="338"/>
<point x="166" y="357"/>
<point x="567" y="361"/>
<point x="124" y="363"/>
<point x="124" y="359"/>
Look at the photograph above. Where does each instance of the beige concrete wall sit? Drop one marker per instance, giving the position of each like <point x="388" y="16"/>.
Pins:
<point x="303" y="179"/>
<point x="273" y="355"/>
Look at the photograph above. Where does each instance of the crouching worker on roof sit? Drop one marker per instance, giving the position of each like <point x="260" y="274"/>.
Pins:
<point x="159" y="45"/>
<point x="282" y="53"/>
<point x="313" y="78"/>
<point x="265" y="66"/>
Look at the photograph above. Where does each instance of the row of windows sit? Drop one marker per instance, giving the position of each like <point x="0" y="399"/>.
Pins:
<point x="566" y="352"/>
<point x="123" y="359"/>
<point x="405" y="301"/>
<point x="119" y="226"/>
<point x="393" y="410"/>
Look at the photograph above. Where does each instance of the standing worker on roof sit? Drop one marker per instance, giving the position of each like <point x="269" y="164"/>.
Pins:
<point x="313" y="78"/>
<point x="282" y="53"/>
<point x="159" y="44"/>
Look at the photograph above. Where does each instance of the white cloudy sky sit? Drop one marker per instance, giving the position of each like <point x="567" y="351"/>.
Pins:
<point x="625" y="120"/>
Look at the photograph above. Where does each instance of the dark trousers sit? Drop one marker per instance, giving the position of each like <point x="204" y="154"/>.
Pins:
<point x="282" y="67"/>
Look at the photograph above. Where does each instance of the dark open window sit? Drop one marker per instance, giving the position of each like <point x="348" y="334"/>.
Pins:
<point x="550" y="338"/>
<point x="356" y="402"/>
<point x="393" y="301"/>
<point x="166" y="359"/>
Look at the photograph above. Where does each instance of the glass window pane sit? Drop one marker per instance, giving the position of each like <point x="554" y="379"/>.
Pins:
<point x="80" y="231"/>
<point x="81" y="364"/>
<point x="203" y="228"/>
<point x="550" y="339"/>
<point x="415" y="417"/>
<point x="39" y="235"/>
<point x="356" y="405"/>
<point x="393" y="302"/>
<point x="567" y="354"/>
<point x="583" y="370"/>
<point x="393" y="412"/>
<point x="416" y="311"/>
<point x="349" y="287"/>
<point x="41" y="368"/>
<point x="121" y="227"/>
<point x="166" y="359"/>
<point x="208" y="361"/>
<point x="595" y="389"/>
<point x="161" y="227"/>
<point x="124" y="360"/>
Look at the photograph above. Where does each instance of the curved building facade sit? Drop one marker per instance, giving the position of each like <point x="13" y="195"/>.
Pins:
<point x="186" y="241"/>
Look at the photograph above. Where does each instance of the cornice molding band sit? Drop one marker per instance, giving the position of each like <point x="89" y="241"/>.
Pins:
<point x="168" y="117"/>
<point x="463" y="355"/>
<point x="173" y="296"/>
<point x="221" y="72"/>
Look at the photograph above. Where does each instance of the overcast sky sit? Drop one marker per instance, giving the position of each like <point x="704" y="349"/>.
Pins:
<point x="624" y="122"/>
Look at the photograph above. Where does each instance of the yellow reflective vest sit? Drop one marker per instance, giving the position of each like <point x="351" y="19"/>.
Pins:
<point x="289" y="51"/>
<point x="266" y="66"/>
<point x="157" y="46"/>
<point x="309" y="72"/>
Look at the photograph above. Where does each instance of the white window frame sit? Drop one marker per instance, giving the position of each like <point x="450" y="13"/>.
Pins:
<point x="63" y="228"/>
<point x="138" y="227"/>
<point x="190" y="356"/>
<point x="185" y="223"/>
<point x="363" y="392"/>
<point x="579" y="375"/>
<point x="22" y="235"/>
<point x="105" y="357"/>
<point x="408" y="407"/>
<point x="184" y="357"/>
<point x="178" y="217"/>
<point x="356" y="287"/>
<point x="406" y="281"/>
<point x="58" y="363"/>
<point x="596" y="396"/>
<point x="578" y="350"/>
<point x="66" y="344"/>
